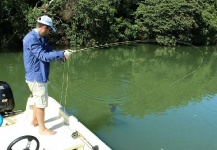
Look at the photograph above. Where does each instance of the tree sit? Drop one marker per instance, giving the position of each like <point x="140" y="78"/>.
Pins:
<point x="172" y="21"/>
<point x="12" y="26"/>
<point x="89" y="23"/>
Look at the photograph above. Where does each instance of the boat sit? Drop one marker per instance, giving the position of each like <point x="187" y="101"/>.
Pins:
<point x="17" y="133"/>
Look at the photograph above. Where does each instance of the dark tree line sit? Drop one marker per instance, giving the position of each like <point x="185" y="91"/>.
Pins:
<point x="95" y="22"/>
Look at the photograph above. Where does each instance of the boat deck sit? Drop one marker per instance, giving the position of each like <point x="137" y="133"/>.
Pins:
<point x="56" y="118"/>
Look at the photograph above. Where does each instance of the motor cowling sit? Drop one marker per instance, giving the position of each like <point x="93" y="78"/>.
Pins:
<point x="6" y="98"/>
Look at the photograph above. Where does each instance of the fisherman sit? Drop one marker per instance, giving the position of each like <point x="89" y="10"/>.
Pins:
<point x="37" y="55"/>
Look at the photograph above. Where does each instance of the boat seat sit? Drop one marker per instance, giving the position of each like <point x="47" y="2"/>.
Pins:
<point x="8" y="121"/>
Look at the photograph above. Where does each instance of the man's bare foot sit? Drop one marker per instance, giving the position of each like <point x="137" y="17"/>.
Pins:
<point x="34" y="123"/>
<point x="47" y="132"/>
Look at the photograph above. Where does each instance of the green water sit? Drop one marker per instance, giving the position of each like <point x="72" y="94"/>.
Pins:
<point x="141" y="97"/>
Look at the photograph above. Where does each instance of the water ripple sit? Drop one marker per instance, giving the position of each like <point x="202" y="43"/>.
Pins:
<point x="109" y="90"/>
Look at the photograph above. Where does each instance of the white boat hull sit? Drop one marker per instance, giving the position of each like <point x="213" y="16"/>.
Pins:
<point x="56" y="118"/>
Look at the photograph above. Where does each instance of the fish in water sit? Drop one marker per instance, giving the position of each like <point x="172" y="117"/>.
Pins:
<point x="112" y="107"/>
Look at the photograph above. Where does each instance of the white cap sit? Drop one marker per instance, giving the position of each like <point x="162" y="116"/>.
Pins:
<point x="46" y="21"/>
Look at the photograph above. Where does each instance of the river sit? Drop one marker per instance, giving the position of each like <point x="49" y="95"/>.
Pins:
<point x="136" y="96"/>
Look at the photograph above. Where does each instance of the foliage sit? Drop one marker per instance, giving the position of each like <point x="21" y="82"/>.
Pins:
<point x="12" y="26"/>
<point x="86" y="22"/>
<point x="53" y="10"/>
<point x="209" y="22"/>
<point x="123" y="27"/>
<point x="168" y="21"/>
<point x="92" y="21"/>
<point x="174" y="21"/>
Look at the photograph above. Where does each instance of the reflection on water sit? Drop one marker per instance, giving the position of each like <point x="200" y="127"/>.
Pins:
<point x="135" y="96"/>
<point x="190" y="127"/>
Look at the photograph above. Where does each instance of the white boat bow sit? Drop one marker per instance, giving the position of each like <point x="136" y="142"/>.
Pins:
<point x="71" y="134"/>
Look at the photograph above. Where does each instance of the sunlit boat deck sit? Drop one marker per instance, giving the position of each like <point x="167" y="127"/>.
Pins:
<point x="56" y="118"/>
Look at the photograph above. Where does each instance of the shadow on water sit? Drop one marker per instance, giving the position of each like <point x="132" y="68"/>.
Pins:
<point x="136" y="96"/>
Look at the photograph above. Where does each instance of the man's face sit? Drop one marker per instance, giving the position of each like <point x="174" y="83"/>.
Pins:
<point x="45" y="30"/>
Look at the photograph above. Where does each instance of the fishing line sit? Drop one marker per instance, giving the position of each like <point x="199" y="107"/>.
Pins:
<point x="63" y="77"/>
<point x="67" y="83"/>
<point x="193" y="70"/>
<point x="114" y="44"/>
<point x="147" y="41"/>
<point x="124" y="43"/>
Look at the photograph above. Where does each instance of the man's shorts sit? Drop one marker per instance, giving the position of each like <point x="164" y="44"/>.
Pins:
<point x="39" y="93"/>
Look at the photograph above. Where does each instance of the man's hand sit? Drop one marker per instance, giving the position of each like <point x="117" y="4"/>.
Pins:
<point x="67" y="54"/>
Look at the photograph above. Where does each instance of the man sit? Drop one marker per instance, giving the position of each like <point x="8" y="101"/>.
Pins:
<point x="37" y="56"/>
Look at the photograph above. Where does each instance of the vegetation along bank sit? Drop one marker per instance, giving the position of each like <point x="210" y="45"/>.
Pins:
<point x="95" y="22"/>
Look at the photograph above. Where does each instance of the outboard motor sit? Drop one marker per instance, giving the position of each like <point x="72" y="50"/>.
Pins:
<point x="6" y="99"/>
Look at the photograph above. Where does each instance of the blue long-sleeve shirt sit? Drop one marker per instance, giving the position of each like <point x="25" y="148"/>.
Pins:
<point x="37" y="55"/>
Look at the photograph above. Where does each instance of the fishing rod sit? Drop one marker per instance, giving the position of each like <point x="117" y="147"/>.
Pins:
<point x="144" y="41"/>
<point x="93" y="47"/>
<point x="111" y="44"/>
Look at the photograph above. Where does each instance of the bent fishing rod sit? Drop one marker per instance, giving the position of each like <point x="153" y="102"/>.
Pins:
<point x="110" y="44"/>
<point x="143" y="41"/>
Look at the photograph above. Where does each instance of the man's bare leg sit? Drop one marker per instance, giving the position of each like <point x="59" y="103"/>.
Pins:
<point x="34" y="119"/>
<point x="40" y="113"/>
